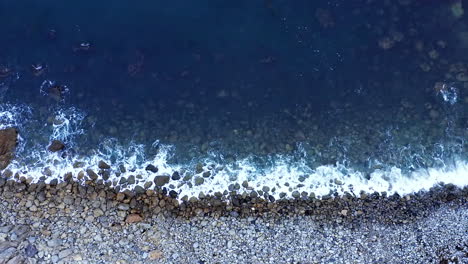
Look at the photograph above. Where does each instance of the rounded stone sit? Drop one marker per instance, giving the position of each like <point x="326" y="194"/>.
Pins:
<point x="151" y="168"/>
<point x="199" y="180"/>
<point x="161" y="180"/>
<point x="131" y="179"/>
<point x="296" y="194"/>
<point x="175" y="176"/>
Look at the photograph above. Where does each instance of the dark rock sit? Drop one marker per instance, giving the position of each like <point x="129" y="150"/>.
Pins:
<point x="131" y="179"/>
<point x="151" y="168"/>
<point x="207" y="174"/>
<point x="199" y="168"/>
<point x="30" y="250"/>
<point x="173" y="194"/>
<point x="122" y="168"/>
<point x="68" y="177"/>
<point x="56" y="145"/>
<point x="175" y="176"/>
<point x="92" y="175"/>
<point x="139" y="190"/>
<point x="271" y="198"/>
<point x="103" y="165"/>
<point x="123" y="180"/>
<point x="245" y="184"/>
<point x="161" y="180"/>
<point x="53" y="182"/>
<point x="8" y="142"/>
<point x="105" y="175"/>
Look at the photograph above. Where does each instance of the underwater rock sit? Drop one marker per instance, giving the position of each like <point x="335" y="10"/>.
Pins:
<point x="56" y="145"/>
<point x="8" y="142"/>
<point x="57" y="92"/>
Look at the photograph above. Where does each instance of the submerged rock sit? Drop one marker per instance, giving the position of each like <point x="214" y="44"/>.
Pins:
<point x="56" y="145"/>
<point x="8" y="142"/>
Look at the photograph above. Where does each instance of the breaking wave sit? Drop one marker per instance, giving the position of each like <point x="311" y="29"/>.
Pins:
<point x="275" y="175"/>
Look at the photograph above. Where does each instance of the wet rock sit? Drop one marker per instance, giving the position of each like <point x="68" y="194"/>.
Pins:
<point x="131" y="179"/>
<point x="122" y="168"/>
<point x="123" y="180"/>
<point x="78" y="164"/>
<point x="245" y="184"/>
<point x="56" y="145"/>
<point x="296" y="194"/>
<point x="68" y="177"/>
<point x="207" y="174"/>
<point x="103" y="165"/>
<point x="92" y="175"/>
<point x="105" y="175"/>
<point x="175" y="176"/>
<point x="8" y="142"/>
<point x="151" y="168"/>
<point x="199" y="181"/>
<point x="199" y="168"/>
<point x="139" y="190"/>
<point x="147" y="185"/>
<point x="161" y="180"/>
<point x="52" y="182"/>
<point x="173" y="194"/>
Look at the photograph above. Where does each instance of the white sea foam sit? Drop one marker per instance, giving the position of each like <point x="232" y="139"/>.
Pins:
<point x="280" y="173"/>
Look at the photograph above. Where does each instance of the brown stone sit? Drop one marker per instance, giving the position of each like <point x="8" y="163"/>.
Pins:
<point x="155" y="254"/>
<point x="56" y="145"/>
<point x="133" y="218"/>
<point x="8" y="142"/>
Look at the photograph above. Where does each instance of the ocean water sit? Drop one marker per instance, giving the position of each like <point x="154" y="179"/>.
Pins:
<point x="280" y="98"/>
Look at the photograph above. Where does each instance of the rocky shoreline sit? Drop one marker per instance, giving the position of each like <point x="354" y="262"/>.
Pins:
<point x="73" y="223"/>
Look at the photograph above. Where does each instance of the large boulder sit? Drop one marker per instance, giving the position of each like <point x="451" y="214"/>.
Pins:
<point x="8" y="142"/>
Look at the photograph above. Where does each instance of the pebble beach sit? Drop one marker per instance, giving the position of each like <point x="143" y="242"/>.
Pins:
<point x="70" y="223"/>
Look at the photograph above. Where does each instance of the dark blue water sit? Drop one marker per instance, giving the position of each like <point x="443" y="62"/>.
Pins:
<point x="367" y="85"/>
